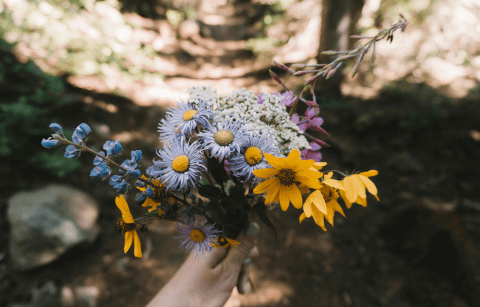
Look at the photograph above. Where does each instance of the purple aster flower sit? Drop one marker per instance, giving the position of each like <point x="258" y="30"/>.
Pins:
<point x="186" y="116"/>
<point x="195" y="236"/>
<point x="225" y="139"/>
<point x="181" y="163"/>
<point x="251" y="156"/>
<point x="313" y="153"/>
<point x="167" y="130"/>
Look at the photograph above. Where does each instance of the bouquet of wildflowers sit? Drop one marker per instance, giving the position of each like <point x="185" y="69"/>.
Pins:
<point x="227" y="159"/>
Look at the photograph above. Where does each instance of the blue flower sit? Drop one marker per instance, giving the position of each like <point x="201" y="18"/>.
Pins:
<point x="98" y="160"/>
<point x="113" y="148"/>
<point x="81" y="133"/>
<point x="251" y="156"/>
<point x="180" y="164"/>
<point x="186" y="116"/>
<point x="150" y="192"/>
<point x="100" y="172"/>
<point x="140" y="198"/>
<point x="196" y="237"/>
<point x="136" y="156"/>
<point x="72" y="152"/>
<point x="50" y="143"/>
<point x="122" y="187"/>
<point x="225" y="139"/>
<point x="57" y="128"/>
<point x="115" y="179"/>
<point x="131" y="168"/>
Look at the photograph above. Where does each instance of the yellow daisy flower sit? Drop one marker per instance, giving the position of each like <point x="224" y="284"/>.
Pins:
<point x="286" y="172"/>
<point x="324" y="201"/>
<point x="354" y="188"/>
<point x="158" y="189"/>
<point x="127" y="225"/>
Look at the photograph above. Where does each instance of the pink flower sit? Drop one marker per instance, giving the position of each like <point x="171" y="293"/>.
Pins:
<point x="287" y="98"/>
<point x="313" y="153"/>
<point x="310" y="121"/>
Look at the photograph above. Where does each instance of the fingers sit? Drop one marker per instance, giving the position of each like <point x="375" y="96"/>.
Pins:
<point x="242" y="282"/>
<point x="237" y="255"/>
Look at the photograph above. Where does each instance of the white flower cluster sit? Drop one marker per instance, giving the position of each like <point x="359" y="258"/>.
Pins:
<point x="243" y="104"/>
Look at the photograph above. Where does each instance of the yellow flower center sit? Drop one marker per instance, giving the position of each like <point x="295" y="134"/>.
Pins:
<point x="327" y="192"/>
<point x="197" y="235"/>
<point x="253" y="155"/>
<point x="286" y="176"/>
<point x="180" y="164"/>
<point x="223" y="137"/>
<point x="189" y="114"/>
<point x="124" y="227"/>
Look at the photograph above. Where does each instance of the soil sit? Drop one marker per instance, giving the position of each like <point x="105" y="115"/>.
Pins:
<point x="418" y="246"/>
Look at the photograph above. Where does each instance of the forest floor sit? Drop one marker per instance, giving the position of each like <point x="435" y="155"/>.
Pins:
<point x="418" y="246"/>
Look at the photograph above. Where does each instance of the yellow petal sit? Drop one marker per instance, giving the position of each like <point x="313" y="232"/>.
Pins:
<point x="137" y="250"/>
<point x="319" y="201"/>
<point x="303" y="188"/>
<point x="307" y="207"/>
<point x="318" y="218"/>
<point x="369" y="173"/>
<point x="302" y="165"/>
<point x="345" y="199"/>
<point x="319" y="165"/>
<point x="128" y="241"/>
<point x="312" y="183"/>
<point x="142" y="189"/>
<point x="295" y="196"/>
<point x="351" y="188"/>
<point x="284" y="200"/>
<point x="369" y="184"/>
<point x="302" y="217"/>
<point x="293" y="157"/>
<point x="309" y="173"/>
<point x="265" y="172"/>
<point x="273" y="161"/>
<point x="123" y="206"/>
<point x="334" y="183"/>
<point x="361" y="201"/>
<point x="263" y="186"/>
<point x="328" y="176"/>
<point x="336" y="207"/>
<point x="359" y="183"/>
<point x="272" y="193"/>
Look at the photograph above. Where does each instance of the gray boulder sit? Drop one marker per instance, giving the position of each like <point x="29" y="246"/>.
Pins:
<point x="47" y="222"/>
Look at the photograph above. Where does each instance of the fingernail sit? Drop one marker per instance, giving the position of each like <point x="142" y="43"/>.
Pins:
<point x="245" y="287"/>
<point x="252" y="229"/>
<point x="247" y="261"/>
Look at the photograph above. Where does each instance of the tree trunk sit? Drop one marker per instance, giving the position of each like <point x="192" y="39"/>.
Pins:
<point x="339" y="18"/>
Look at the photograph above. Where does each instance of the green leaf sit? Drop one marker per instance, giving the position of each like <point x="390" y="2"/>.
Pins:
<point x="209" y="191"/>
<point x="217" y="170"/>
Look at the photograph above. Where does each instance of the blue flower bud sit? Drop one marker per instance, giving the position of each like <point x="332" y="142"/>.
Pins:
<point x="122" y="187"/>
<point x="140" y="198"/>
<point x="81" y="133"/>
<point x="149" y="192"/>
<point x="100" y="172"/>
<point x="98" y="160"/>
<point x="72" y="152"/>
<point x="136" y="173"/>
<point x="140" y="184"/>
<point x="50" y="143"/>
<point x="136" y="156"/>
<point x="57" y="128"/>
<point x="113" y="148"/>
<point x="115" y="179"/>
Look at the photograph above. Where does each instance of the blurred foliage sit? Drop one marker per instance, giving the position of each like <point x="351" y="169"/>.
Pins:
<point x="418" y="10"/>
<point x="28" y="97"/>
<point x="80" y="37"/>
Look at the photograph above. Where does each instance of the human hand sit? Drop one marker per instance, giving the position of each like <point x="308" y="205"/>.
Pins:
<point x="209" y="281"/>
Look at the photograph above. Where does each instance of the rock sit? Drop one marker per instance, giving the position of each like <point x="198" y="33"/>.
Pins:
<point x="47" y="222"/>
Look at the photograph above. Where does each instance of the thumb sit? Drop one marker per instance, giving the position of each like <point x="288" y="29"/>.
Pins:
<point x="237" y="254"/>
